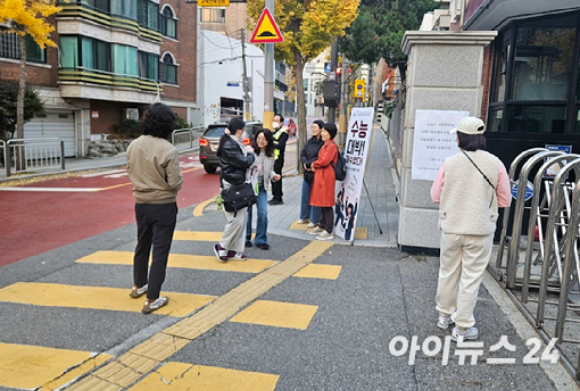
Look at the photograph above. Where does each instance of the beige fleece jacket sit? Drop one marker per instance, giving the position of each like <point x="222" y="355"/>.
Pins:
<point x="153" y="167"/>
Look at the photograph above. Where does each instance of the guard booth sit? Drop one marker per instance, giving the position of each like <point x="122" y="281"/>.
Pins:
<point x="534" y="95"/>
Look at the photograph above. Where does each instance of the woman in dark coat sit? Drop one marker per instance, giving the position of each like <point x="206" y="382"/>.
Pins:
<point x="310" y="214"/>
<point x="324" y="182"/>
<point x="235" y="162"/>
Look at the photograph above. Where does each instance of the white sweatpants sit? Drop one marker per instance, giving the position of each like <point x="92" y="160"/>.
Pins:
<point x="464" y="259"/>
<point x="234" y="236"/>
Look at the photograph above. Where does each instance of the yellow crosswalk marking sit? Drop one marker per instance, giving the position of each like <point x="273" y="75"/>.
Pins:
<point x="29" y="367"/>
<point x="115" y="299"/>
<point x="314" y="270"/>
<point x="197" y="235"/>
<point x="75" y="373"/>
<point x="278" y="314"/>
<point x="200" y="236"/>
<point x="202" y="262"/>
<point x="175" y="376"/>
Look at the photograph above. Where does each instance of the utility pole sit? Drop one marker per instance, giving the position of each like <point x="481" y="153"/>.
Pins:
<point x="269" y="77"/>
<point x="343" y="119"/>
<point x="247" y="113"/>
<point x="200" y="82"/>
<point x="333" y="65"/>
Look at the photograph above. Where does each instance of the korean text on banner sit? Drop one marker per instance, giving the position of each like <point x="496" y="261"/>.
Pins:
<point x="358" y="142"/>
<point x="432" y="143"/>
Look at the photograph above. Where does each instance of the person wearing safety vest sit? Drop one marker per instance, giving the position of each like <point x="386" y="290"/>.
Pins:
<point x="280" y="138"/>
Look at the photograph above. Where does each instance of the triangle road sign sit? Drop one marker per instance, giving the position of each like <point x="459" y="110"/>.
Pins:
<point x="266" y="31"/>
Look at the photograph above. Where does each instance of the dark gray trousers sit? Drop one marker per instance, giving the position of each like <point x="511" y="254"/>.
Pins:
<point x="155" y="227"/>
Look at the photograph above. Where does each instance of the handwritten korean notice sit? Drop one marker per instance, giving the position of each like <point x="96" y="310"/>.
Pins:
<point x="432" y="143"/>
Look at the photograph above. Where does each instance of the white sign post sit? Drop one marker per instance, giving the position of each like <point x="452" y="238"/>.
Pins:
<point x="358" y="142"/>
<point x="432" y="143"/>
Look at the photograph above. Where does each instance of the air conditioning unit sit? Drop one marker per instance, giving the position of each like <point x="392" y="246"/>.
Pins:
<point x="132" y="113"/>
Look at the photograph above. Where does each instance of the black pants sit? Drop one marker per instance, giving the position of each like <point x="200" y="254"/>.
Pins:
<point x="277" y="185"/>
<point x="326" y="219"/>
<point x="155" y="226"/>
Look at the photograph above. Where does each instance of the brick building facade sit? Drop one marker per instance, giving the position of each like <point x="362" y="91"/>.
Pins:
<point x="113" y="60"/>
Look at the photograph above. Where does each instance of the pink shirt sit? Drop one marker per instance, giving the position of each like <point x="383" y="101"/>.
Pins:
<point x="502" y="190"/>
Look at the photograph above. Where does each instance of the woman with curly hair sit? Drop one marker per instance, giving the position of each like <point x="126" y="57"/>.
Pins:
<point x="263" y="171"/>
<point x="153" y="167"/>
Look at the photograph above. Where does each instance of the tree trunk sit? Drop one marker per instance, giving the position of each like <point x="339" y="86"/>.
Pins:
<point x="21" y="90"/>
<point x="301" y="109"/>
<point x="20" y="152"/>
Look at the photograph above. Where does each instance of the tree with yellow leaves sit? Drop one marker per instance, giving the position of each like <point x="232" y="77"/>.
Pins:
<point x="308" y="27"/>
<point x="27" y="17"/>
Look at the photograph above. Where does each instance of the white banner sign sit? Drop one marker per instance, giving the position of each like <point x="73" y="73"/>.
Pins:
<point x="432" y="143"/>
<point x="358" y="142"/>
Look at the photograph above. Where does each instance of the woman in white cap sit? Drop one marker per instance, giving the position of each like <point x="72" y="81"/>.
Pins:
<point x="469" y="188"/>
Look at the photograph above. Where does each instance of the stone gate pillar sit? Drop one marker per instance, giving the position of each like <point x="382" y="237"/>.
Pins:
<point x="444" y="72"/>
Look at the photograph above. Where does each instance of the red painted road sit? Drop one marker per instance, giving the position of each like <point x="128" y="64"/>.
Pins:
<point x="35" y="222"/>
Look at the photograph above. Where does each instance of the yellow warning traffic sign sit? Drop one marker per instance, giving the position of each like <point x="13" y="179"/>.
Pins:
<point x="266" y="31"/>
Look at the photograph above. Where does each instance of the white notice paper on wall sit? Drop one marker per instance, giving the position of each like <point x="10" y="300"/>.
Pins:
<point x="432" y="143"/>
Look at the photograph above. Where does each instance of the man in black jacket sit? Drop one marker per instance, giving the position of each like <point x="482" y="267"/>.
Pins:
<point x="280" y="138"/>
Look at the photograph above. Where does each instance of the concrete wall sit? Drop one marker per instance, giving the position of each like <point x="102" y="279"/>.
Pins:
<point x="444" y="72"/>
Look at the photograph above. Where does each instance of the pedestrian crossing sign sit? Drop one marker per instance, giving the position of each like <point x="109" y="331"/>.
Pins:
<point x="266" y="31"/>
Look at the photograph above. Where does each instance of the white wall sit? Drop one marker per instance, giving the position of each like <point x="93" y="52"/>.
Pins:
<point x="222" y="64"/>
<point x="313" y="73"/>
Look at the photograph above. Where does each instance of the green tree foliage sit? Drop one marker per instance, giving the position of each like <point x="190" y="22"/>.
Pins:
<point x="308" y="28"/>
<point x="8" y="99"/>
<point x="379" y="29"/>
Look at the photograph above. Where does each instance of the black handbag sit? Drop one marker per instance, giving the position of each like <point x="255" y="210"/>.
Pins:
<point x="238" y="197"/>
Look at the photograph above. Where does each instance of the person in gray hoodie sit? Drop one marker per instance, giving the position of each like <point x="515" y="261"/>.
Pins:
<point x="153" y="167"/>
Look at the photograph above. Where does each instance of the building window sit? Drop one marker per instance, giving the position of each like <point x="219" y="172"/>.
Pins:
<point x="167" y="23"/>
<point x="543" y="59"/>
<point x="95" y="54"/>
<point x="99" y="5"/>
<point x="10" y="47"/>
<point x="213" y="15"/>
<point x="148" y="66"/>
<point x="168" y="70"/>
<point x="124" y="8"/>
<point x="124" y="60"/>
<point x="148" y="14"/>
<point x="535" y="60"/>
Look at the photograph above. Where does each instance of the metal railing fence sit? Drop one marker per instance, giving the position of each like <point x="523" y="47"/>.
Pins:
<point x="541" y="267"/>
<point x="23" y="155"/>
<point x="185" y="135"/>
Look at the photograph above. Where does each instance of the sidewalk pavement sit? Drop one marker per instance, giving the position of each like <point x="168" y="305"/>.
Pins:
<point x="405" y="292"/>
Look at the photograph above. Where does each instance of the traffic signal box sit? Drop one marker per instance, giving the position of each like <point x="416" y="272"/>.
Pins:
<point x="331" y="93"/>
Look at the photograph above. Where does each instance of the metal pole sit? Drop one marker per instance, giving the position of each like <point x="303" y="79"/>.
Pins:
<point x="200" y="71"/>
<point x="343" y="119"/>
<point x="333" y="64"/>
<point x="269" y="77"/>
<point x="62" y="154"/>
<point x="245" y="78"/>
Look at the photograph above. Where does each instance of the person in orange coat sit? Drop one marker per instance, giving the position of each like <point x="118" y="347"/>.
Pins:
<point x="322" y="194"/>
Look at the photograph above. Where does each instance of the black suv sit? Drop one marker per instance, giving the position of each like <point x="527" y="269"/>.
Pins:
<point x="209" y="142"/>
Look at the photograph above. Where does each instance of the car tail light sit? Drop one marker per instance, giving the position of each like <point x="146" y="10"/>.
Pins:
<point x="246" y="141"/>
<point x="203" y="142"/>
<point x="202" y="157"/>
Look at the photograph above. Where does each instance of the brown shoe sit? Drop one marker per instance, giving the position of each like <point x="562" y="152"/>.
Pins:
<point x="137" y="292"/>
<point x="152" y="305"/>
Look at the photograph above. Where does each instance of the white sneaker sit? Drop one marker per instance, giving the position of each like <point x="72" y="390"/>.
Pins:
<point x="470" y="333"/>
<point x="137" y="292"/>
<point x="445" y="321"/>
<point x="325" y="236"/>
<point x="151" y="306"/>
<point x="317" y="230"/>
<point x="311" y="225"/>
<point x="302" y="221"/>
